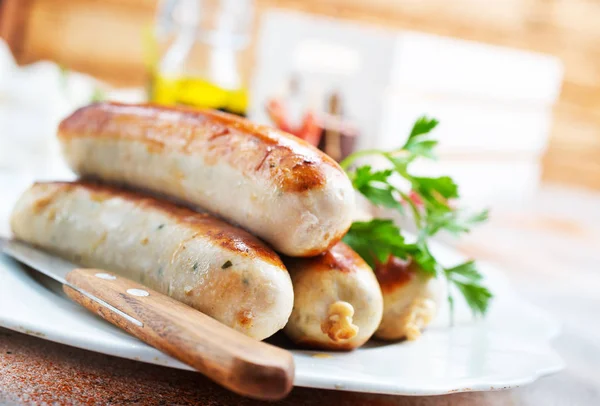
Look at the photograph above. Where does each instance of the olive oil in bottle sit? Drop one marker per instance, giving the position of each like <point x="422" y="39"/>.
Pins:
<point x="199" y="51"/>
<point x="198" y="93"/>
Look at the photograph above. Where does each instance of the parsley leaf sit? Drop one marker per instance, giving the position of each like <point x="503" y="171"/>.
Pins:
<point x="364" y="175"/>
<point x="423" y="257"/>
<point x="376" y="240"/>
<point x="98" y="95"/>
<point x="456" y="222"/>
<point x="375" y="187"/>
<point x="417" y="143"/>
<point x="435" y="190"/>
<point x="423" y="125"/>
<point x="477" y="296"/>
<point x="468" y="281"/>
<point x="466" y="270"/>
<point x="422" y="148"/>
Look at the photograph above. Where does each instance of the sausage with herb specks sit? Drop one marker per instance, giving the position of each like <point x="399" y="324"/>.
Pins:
<point x="337" y="301"/>
<point x="271" y="183"/>
<point x="195" y="258"/>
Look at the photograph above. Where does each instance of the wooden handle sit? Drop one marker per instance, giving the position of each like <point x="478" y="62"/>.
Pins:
<point x="244" y="365"/>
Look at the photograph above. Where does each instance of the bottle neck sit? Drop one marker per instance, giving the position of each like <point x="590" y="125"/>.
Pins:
<point x="223" y="67"/>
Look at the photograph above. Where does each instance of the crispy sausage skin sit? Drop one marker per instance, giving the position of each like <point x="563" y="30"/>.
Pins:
<point x="337" y="301"/>
<point x="411" y="299"/>
<point x="271" y="183"/>
<point x="195" y="258"/>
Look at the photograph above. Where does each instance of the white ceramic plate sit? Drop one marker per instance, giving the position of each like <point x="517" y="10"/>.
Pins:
<point x="511" y="347"/>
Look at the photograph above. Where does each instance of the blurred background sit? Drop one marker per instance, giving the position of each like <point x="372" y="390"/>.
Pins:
<point x="514" y="83"/>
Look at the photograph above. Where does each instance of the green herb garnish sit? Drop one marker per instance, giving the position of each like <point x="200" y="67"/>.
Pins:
<point x="98" y="95"/>
<point x="63" y="77"/>
<point x="467" y="279"/>
<point x="375" y="187"/>
<point x="226" y="265"/>
<point x="429" y="203"/>
<point x="376" y="240"/>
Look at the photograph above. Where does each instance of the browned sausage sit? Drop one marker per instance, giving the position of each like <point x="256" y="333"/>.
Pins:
<point x="337" y="301"/>
<point x="273" y="184"/>
<point x="411" y="299"/>
<point x="195" y="258"/>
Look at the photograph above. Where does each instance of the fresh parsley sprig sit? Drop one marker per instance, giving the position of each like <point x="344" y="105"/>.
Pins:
<point x="376" y="240"/>
<point x="375" y="186"/>
<point x="467" y="280"/>
<point x="456" y="222"/>
<point x="432" y="211"/>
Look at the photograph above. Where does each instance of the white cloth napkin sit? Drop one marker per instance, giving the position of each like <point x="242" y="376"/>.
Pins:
<point x="33" y="100"/>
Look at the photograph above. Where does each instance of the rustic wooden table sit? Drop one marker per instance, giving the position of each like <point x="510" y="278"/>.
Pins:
<point x="549" y="247"/>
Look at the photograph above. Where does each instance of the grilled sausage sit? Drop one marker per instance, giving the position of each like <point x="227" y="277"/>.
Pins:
<point x="273" y="184"/>
<point x="337" y="301"/>
<point x="411" y="299"/>
<point x="214" y="267"/>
